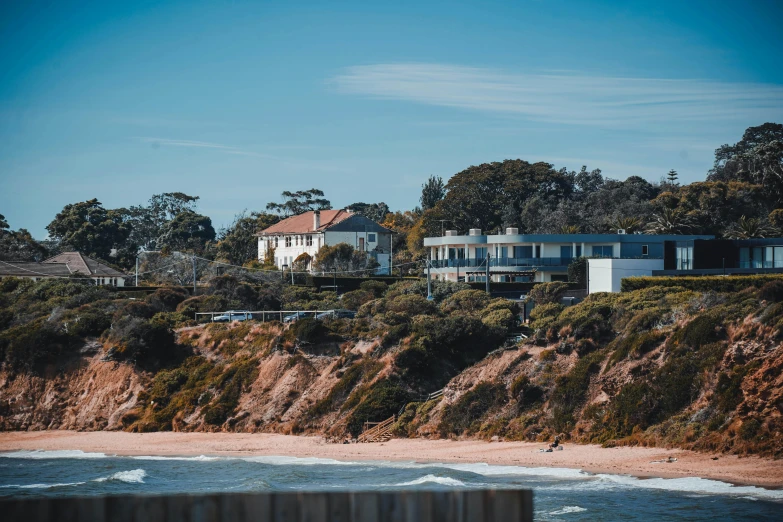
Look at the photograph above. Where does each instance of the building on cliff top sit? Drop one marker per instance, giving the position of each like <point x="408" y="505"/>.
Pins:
<point x="306" y="233"/>
<point x="67" y="264"/>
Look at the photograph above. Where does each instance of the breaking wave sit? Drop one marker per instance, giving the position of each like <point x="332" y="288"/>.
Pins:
<point x="432" y="479"/>
<point x="134" y="476"/>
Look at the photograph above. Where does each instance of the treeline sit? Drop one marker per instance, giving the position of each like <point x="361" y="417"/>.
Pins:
<point x="741" y="197"/>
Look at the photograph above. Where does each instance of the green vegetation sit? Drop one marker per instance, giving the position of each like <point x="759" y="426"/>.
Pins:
<point x="465" y="415"/>
<point x="718" y="284"/>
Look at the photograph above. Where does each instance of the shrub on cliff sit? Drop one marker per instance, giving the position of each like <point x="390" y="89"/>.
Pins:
<point x="772" y="292"/>
<point x="468" y="302"/>
<point x="465" y="414"/>
<point x="545" y="293"/>
<point x="381" y="401"/>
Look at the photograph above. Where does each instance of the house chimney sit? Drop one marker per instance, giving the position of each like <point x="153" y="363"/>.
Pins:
<point x="316" y="220"/>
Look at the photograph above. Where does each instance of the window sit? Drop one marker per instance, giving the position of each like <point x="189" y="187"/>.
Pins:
<point x="503" y="252"/>
<point x="684" y="256"/>
<point x="481" y="252"/>
<point x="578" y="250"/>
<point x="773" y="257"/>
<point x="371" y="238"/>
<point x="276" y="242"/>
<point x="521" y="252"/>
<point x="645" y="250"/>
<point x="565" y="252"/>
<point x="309" y="240"/>
<point x="288" y="241"/>
<point x="603" y="251"/>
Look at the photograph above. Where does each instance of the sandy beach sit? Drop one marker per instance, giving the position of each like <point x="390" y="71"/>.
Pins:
<point x="638" y="462"/>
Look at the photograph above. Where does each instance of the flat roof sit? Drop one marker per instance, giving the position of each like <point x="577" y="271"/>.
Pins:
<point x="559" y="238"/>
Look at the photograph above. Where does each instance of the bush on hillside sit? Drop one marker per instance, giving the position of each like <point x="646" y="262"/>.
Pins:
<point x="465" y="414"/>
<point x="469" y="302"/>
<point x="545" y="293"/>
<point x="381" y="401"/>
<point x="772" y="292"/>
<point x="718" y="284"/>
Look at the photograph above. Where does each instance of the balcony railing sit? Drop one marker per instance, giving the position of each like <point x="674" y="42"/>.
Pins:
<point x="532" y="262"/>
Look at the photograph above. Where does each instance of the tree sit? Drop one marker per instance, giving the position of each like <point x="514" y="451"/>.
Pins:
<point x="714" y="205"/>
<point x="481" y="196"/>
<point x="90" y="229"/>
<point x="670" y="221"/>
<point x="431" y="192"/>
<point x="671" y="177"/>
<point x="757" y="158"/>
<point x="188" y="231"/>
<point x="237" y="244"/>
<point x="775" y="219"/>
<point x="295" y="203"/>
<point x="147" y="222"/>
<point x="577" y="271"/>
<point x="630" y="224"/>
<point x="342" y="257"/>
<point x="374" y="211"/>
<point x="749" y="228"/>
<point x="19" y="245"/>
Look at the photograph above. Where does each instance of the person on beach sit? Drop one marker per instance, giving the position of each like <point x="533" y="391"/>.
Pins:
<point x="556" y="443"/>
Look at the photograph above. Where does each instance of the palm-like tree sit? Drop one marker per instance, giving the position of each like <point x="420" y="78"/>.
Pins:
<point x="671" y="221"/>
<point x="749" y="228"/>
<point x="629" y="224"/>
<point x="569" y="229"/>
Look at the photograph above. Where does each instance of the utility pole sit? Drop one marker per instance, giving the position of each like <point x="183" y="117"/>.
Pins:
<point x="442" y="221"/>
<point x="292" y="274"/>
<point x="391" y="255"/>
<point x="429" y="280"/>
<point x="334" y="280"/>
<point x="193" y="257"/>
<point x="137" y="270"/>
<point x="487" y="272"/>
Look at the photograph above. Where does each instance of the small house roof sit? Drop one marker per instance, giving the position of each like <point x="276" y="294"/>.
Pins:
<point x="80" y="264"/>
<point x="32" y="269"/>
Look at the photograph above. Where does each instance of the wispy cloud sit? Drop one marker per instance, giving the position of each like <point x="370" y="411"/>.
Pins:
<point x="311" y="164"/>
<point x="563" y="97"/>
<point x="227" y="149"/>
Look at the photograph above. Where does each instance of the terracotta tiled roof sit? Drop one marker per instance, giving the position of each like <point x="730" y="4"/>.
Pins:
<point x="80" y="264"/>
<point x="303" y="223"/>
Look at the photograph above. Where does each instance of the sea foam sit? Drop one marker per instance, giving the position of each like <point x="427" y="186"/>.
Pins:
<point x="52" y="454"/>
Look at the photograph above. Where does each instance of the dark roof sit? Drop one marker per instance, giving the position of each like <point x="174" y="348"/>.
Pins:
<point x="80" y="264"/>
<point x="30" y="269"/>
<point x="62" y="265"/>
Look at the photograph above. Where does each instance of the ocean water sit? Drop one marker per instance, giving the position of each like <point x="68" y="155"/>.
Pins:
<point x="559" y="494"/>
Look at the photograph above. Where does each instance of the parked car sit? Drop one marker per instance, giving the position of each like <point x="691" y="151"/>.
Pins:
<point x="294" y="317"/>
<point x="337" y="314"/>
<point x="233" y="315"/>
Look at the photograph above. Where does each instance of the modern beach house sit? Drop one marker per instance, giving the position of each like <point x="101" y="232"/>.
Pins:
<point x="512" y="256"/>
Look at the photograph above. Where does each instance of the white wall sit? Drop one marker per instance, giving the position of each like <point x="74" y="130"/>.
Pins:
<point x="605" y="275"/>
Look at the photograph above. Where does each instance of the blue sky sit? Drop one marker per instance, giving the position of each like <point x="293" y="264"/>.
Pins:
<point x="237" y="101"/>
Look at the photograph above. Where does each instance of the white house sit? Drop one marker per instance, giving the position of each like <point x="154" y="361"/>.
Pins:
<point x="512" y="256"/>
<point x="306" y="233"/>
<point x="66" y="264"/>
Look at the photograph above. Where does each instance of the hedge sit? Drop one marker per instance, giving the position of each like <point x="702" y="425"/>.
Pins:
<point x="734" y="283"/>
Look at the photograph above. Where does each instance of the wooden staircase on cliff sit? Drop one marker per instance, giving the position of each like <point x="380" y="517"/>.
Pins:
<point x="377" y="431"/>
